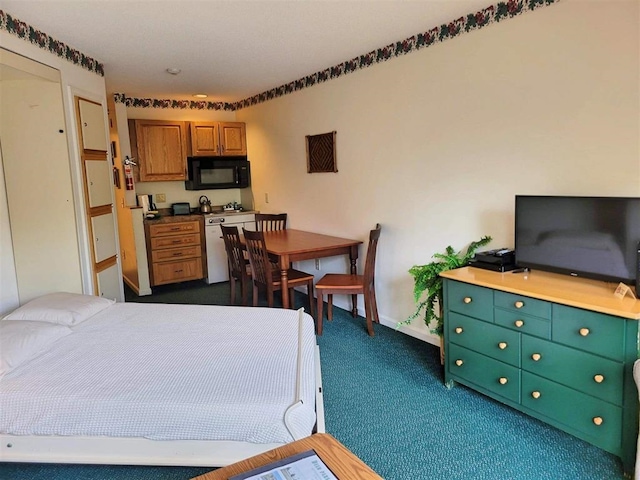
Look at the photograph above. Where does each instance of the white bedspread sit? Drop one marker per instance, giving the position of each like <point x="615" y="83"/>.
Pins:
<point x="168" y="372"/>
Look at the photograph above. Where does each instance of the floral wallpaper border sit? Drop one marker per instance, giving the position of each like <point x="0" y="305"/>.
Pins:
<point x="473" y="21"/>
<point x="26" y="32"/>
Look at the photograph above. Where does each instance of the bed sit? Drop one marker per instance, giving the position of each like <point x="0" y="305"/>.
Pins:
<point x="154" y="384"/>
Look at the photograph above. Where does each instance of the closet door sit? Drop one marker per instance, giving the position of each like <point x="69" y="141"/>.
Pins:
<point x="97" y="177"/>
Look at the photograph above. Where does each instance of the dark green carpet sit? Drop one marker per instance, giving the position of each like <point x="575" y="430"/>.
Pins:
<point x="384" y="399"/>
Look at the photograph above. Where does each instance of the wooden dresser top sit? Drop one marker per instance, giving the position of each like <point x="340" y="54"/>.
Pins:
<point x="576" y="292"/>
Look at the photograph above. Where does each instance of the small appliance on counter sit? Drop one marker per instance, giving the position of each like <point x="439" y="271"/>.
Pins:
<point x="181" y="208"/>
<point x="232" y="207"/>
<point x="148" y="207"/>
<point x="205" y="204"/>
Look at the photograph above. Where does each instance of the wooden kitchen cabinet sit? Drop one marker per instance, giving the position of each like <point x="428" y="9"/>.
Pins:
<point x="160" y="149"/>
<point x="175" y="251"/>
<point x="218" y="139"/>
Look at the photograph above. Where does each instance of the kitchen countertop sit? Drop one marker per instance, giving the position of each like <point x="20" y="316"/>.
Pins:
<point x="167" y="217"/>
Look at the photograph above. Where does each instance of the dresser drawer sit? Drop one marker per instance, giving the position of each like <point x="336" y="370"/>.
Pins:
<point x="162" y="229"/>
<point x="470" y="300"/>
<point x="490" y="374"/>
<point x="590" y="331"/>
<point x="539" y="327"/>
<point x="170" y="272"/>
<point x="583" y="371"/>
<point x="575" y="410"/>
<point x="523" y="305"/>
<point x="169" y="254"/>
<point x="485" y="338"/>
<point x="175" y="241"/>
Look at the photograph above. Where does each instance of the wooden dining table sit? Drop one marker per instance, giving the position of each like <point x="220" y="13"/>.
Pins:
<point x="295" y="245"/>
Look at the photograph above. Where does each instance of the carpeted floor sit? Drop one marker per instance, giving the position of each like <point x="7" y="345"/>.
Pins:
<point x="385" y="400"/>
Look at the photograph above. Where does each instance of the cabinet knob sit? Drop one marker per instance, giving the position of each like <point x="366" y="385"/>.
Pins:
<point x="519" y="323"/>
<point x="459" y="330"/>
<point x="459" y="362"/>
<point x="467" y="300"/>
<point x="536" y="356"/>
<point x="519" y="304"/>
<point x="598" y="378"/>
<point x="503" y="380"/>
<point x="502" y="345"/>
<point x="598" y="421"/>
<point x="584" y="332"/>
<point x="536" y="394"/>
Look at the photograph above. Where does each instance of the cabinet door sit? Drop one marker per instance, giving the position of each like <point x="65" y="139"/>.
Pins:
<point x="98" y="189"/>
<point x="205" y="138"/>
<point x="92" y="126"/>
<point x="161" y="150"/>
<point x="233" y="138"/>
<point x="104" y="238"/>
<point x="109" y="283"/>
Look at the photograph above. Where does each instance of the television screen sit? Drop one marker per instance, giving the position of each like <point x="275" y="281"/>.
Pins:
<point x="594" y="237"/>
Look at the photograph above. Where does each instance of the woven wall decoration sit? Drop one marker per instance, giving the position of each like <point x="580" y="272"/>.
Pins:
<point x="321" y="153"/>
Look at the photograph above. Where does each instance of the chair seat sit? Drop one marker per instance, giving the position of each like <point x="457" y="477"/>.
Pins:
<point x="293" y="277"/>
<point x="341" y="281"/>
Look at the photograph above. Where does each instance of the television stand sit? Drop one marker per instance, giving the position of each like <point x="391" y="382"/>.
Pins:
<point x="544" y="343"/>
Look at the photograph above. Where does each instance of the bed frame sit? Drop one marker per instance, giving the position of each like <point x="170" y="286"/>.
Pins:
<point x="143" y="451"/>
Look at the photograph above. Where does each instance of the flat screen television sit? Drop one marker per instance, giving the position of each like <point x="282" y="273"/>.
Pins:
<point x="593" y="237"/>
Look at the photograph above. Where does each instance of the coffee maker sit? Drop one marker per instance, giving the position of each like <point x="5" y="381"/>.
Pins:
<point x="146" y="202"/>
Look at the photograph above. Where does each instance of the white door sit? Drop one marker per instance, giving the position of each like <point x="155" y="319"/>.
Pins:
<point x="99" y="190"/>
<point x="94" y="136"/>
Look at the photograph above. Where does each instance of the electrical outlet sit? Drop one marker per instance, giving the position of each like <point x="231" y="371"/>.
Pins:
<point x="317" y="264"/>
<point x="161" y="198"/>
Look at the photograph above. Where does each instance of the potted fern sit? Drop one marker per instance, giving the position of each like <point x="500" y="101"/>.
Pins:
<point x="428" y="289"/>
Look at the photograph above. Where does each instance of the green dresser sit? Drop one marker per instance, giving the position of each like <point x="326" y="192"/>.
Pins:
<point x="557" y="348"/>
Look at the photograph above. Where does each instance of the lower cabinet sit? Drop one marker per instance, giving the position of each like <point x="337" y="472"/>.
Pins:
<point x="568" y="366"/>
<point x="176" y="251"/>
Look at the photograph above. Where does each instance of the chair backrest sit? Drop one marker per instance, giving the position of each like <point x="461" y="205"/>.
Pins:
<point x="258" y="257"/>
<point x="235" y="252"/>
<point x="271" y="221"/>
<point x="370" y="263"/>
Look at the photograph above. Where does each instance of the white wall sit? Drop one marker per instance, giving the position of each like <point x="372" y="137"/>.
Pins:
<point x="435" y="144"/>
<point x="75" y="81"/>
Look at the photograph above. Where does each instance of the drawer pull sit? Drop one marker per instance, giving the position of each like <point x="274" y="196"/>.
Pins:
<point x="503" y="380"/>
<point x="467" y="300"/>
<point x="177" y="254"/>
<point x="598" y="378"/>
<point x="536" y="394"/>
<point x="459" y="362"/>
<point x="519" y="323"/>
<point x="519" y="304"/>
<point x="178" y="271"/>
<point x="598" y="421"/>
<point x="459" y="330"/>
<point x="502" y="345"/>
<point x="584" y="332"/>
<point x="536" y="356"/>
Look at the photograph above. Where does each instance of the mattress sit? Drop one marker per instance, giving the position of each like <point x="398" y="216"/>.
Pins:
<point x="170" y="372"/>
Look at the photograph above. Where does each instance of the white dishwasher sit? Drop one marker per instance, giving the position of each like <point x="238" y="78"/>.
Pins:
<point x="217" y="266"/>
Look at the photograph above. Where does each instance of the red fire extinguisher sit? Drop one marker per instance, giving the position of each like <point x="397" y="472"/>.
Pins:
<point x="128" y="173"/>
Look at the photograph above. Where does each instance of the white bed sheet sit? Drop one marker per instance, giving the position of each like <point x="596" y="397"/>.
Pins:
<point x="168" y="372"/>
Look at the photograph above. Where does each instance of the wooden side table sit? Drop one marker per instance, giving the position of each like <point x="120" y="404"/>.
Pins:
<point x="344" y="464"/>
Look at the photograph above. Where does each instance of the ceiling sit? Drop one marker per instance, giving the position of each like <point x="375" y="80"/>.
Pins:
<point x="227" y="49"/>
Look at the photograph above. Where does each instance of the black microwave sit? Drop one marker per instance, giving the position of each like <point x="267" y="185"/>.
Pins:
<point x="208" y="173"/>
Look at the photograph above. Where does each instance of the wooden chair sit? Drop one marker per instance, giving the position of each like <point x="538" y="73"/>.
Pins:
<point x="271" y="221"/>
<point x="239" y="268"/>
<point x="264" y="273"/>
<point x="344" y="284"/>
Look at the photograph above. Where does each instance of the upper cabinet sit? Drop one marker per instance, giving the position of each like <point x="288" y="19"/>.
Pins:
<point x="92" y="125"/>
<point x="218" y="139"/>
<point x="160" y="149"/>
